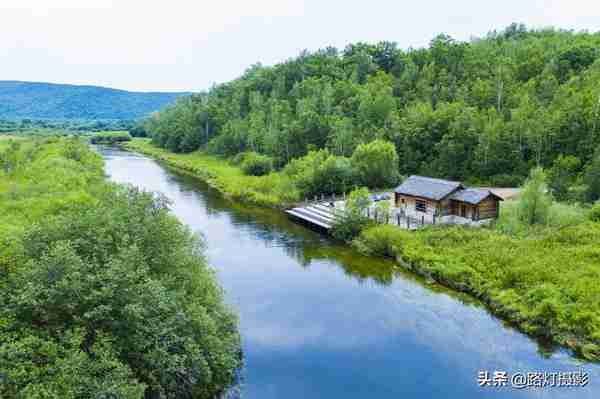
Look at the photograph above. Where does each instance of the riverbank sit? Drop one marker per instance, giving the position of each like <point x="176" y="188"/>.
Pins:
<point x="273" y="190"/>
<point x="103" y="291"/>
<point x="546" y="285"/>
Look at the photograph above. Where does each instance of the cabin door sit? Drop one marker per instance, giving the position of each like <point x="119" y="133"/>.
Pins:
<point x="463" y="211"/>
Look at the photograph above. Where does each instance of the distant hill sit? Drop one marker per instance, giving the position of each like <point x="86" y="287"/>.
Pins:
<point x="60" y="101"/>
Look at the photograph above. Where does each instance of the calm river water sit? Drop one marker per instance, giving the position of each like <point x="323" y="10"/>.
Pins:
<point x="320" y="321"/>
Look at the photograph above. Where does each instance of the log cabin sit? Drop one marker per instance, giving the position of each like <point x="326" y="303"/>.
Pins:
<point x="443" y="201"/>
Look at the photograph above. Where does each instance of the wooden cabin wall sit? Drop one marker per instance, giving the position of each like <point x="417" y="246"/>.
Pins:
<point x="409" y="206"/>
<point x="488" y="208"/>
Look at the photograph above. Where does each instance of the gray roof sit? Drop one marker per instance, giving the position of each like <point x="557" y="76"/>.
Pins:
<point x="428" y="187"/>
<point x="473" y="195"/>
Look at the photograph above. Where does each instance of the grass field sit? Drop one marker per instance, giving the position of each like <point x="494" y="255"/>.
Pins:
<point x="274" y="190"/>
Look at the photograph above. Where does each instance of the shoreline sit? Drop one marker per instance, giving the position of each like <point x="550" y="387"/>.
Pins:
<point x="580" y="346"/>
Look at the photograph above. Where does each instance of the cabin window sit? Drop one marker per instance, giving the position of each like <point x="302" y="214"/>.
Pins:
<point x="420" y="206"/>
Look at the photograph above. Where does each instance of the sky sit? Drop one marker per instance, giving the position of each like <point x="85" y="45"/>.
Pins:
<point x="185" y="45"/>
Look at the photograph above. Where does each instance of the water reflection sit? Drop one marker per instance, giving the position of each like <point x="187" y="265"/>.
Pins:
<point x="320" y="321"/>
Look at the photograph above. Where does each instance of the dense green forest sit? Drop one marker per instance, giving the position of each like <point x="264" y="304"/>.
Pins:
<point x="34" y="100"/>
<point x="103" y="293"/>
<point x="484" y="111"/>
<point x="110" y="137"/>
<point x="29" y="127"/>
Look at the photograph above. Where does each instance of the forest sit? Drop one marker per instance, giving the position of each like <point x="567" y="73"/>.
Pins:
<point x="485" y="111"/>
<point x="103" y="293"/>
<point x="44" y="127"/>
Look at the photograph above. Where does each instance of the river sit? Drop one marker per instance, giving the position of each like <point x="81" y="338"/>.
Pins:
<point x="320" y="321"/>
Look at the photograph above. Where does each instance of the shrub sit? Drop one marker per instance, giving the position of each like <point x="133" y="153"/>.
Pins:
<point x="594" y="214"/>
<point x="592" y="178"/>
<point x="110" y="137"/>
<point x="353" y="220"/>
<point x="535" y="202"/>
<point x="256" y="164"/>
<point x="384" y="240"/>
<point x="376" y="164"/>
<point x="349" y="225"/>
<point x="238" y="159"/>
<point x="320" y="172"/>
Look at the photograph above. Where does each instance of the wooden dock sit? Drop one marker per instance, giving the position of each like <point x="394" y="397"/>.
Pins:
<point x="318" y="214"/>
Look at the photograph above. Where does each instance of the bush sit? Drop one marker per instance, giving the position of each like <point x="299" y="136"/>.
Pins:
<point x="592" y="178"/>
<point x="594" y="214"/>
<point x="110" y="137"/>
<point x="320" y="172"/>
<point x="349" y="226"/>
<point x="535" y="202"/>
<point x="384" y="240"/>
<point x="353" y="220"/>
<point x="376" y="164"/>
<point x="238" y="159"/>
<point x="256" y="164"/>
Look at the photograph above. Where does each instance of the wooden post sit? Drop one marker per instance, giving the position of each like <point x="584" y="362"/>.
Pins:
<point x="398" y="217"/>
<point x="408" y="223"/>
<point x="422" y="219"/>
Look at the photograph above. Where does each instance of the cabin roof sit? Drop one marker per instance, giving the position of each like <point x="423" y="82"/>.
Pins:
<point x="473" y="196"/>
<point x="428" y="187"/>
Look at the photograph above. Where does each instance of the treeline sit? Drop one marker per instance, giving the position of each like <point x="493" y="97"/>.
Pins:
<point x="41" y="127"/>
<point x="484" y="111"/>
<point x="103" y="293"/>
<point x="110" y="137"/>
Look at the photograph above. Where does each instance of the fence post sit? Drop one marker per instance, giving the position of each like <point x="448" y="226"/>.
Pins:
<point x="398" y="217"/>
<point x="408" y="223"/>
<point x="422" y="220"/>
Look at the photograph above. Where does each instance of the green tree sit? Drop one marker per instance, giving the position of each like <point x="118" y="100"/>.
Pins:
<point x="353" y="219"/>
<point x="534" y="202"/>
<point x="592" y="178"/>
<point x="376" y="164"/>
<point x="256" y="164"/>
<point x="563" y="175"/>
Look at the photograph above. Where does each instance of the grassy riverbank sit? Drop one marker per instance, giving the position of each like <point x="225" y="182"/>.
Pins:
<point x="547" y="285"/>
<point x="274" y="190"/>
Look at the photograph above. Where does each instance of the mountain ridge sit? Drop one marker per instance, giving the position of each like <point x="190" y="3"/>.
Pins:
<point x="42" y="100"/>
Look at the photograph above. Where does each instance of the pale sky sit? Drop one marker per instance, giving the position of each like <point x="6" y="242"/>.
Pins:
<point x="188" y="45"/>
